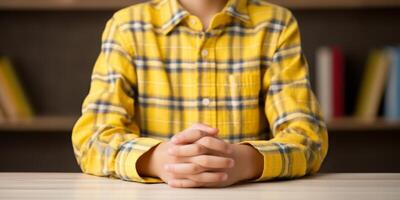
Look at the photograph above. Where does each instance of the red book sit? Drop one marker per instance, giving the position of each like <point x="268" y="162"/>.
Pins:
<point x="338" y="79"/>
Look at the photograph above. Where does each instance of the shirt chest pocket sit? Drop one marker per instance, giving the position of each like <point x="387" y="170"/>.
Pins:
<point x="244" y="84"/>
<point x="241" y="116"/>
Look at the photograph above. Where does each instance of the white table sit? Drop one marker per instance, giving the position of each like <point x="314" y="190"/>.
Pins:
<point x="79" y="186"/>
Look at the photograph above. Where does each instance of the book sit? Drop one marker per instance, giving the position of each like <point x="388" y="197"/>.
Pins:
<point x="2" y="115"/>
<point x="372" y="85"/>
<point x="392" y="96"/>
<point x="338" y="82"/>
<point x="330" y="81"/>
<point x="13" y="99"/>
<point x="324" y="80"/>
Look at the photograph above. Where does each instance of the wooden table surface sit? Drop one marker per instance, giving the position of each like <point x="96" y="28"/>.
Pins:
<point x="79" y="186"/>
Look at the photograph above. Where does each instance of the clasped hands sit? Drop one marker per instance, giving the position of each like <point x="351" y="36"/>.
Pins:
<point x="196" y="157"/>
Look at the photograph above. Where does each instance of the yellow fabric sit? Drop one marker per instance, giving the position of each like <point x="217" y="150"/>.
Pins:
<point x="158" y="73"/>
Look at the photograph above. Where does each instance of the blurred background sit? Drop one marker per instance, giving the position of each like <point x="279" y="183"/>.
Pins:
<point x="48" y="49"/>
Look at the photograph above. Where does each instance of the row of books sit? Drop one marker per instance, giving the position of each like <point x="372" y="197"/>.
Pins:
<point x="380" y="83"/>
<point x="14" y="104"/>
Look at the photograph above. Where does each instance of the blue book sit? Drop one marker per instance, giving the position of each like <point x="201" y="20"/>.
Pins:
<point x="392" y="97"/>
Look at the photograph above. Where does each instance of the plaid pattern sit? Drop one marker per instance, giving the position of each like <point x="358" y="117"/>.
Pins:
<point x="158" y="72"/>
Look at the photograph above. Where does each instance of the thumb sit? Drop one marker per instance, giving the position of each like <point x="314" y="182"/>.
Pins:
<point x="194" y="133"/>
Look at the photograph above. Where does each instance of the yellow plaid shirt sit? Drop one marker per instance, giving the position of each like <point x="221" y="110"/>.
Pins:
<point x="158" y="72"/>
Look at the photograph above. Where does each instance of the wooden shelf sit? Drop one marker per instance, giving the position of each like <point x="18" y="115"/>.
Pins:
<point x="354" y="124"/>
<point x="66" y="4"/>
<point x="116" y="4"/>
<point x="317" y="4"/>
<point x="43" y="123"/>
<point x="65" y="124"/>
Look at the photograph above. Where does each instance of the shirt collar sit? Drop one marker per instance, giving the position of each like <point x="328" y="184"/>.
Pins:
<point x="176" y="13"/>
<point x="238" y="9"/>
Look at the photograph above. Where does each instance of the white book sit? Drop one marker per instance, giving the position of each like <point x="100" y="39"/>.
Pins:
<point x="324" y="73"/>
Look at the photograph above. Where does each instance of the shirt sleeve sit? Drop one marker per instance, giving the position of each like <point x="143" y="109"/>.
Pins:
<point x="299" y="139"/>
<point x="106" y="138"/>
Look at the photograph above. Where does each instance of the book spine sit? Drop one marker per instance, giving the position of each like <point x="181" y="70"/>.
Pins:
<point x="14" y="97"/>
<point x="337" y="82"/>
<point x="390" y="95"/>
<point x="324" y="80"/>
<point x="397" y="90"/>
<point x="368" y="93"/>
<point x="5" y="96"/>
<point x="2" y="114"/>
<point x="377" y="86"/>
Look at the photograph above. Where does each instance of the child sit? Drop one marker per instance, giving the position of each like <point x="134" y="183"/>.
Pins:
<point x="185" y="92"/>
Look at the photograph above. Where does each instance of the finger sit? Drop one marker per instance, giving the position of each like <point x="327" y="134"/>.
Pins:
<point x="209" y="177"/>
<point x="215" y="144"/>
<point x="209" y="161"/>
<point x="205" y="128"/>
<point x="183" y="183"/>
<point x="193" y="133"/>
<point x="187" y="150"/>
<point x="184" y="168"/>
<point x="188" y="136"/>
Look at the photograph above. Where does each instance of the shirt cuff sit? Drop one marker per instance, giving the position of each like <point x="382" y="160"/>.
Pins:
<point x="272" y="160"/>
<point x="128" y="156"/>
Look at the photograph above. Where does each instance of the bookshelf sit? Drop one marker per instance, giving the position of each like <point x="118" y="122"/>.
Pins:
<point x="40" y="124"/>
<point x="359" y="126"/>
<point x="107" y="4"/>
<point x="61" y="40"/>
<point x="66" y="4"/>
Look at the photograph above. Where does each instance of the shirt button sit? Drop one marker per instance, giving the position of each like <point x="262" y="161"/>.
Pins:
<point x="192" y="21"/>
<point x="202" y="34"/>
<point x="204" y="53"/>
<point x="205" y="101"/>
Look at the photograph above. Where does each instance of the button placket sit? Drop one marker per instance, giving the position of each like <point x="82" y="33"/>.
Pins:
<point x="208" y="53"/>
<point x="206" y="56"/>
